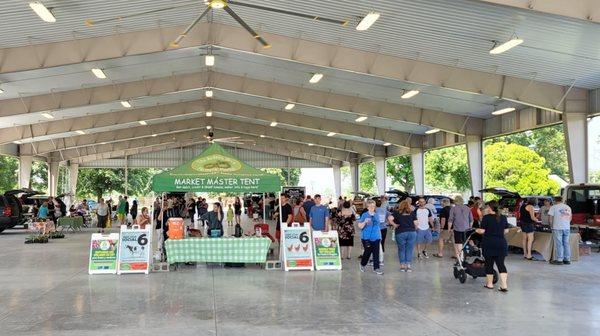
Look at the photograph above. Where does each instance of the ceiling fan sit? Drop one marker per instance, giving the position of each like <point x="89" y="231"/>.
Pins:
<point x="226" y="6"/>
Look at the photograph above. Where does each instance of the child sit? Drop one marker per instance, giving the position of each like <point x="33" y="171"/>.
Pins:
<point x="229" y="215"/>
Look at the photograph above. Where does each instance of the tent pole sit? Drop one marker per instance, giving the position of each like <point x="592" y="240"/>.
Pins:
<point x="264" y="207"/>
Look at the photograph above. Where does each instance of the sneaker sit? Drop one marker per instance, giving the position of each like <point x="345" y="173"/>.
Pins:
<point x="378" y="271"/>
<point x="362" y="268"/>
<point x="403" y="270"/>
<point x="425" y="254"/>
<point x="408" y="269"/>
<point x="555" y="262"/>
<point x="567" y="262"/>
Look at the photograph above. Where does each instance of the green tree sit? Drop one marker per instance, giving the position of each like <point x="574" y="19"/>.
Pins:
<point x="95" y="182"/>
<point x="139" y="180"/>
<point x="548" y="142"/>
<point x="399" y="168"/>
<point x="293" y="174"/>
<point x="9" y="167"/>
<point x="39" y="176"/>
<point x="366" y="178"/>
<point x="517" y="168"/>
<point x="63" y="180"/>
<point x="595" y="176"/>
<point x="446" y="170"/>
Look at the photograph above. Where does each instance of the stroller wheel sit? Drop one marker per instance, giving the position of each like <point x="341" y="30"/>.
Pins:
<point x="462" y="276"/>
<point x="495" y="277"/>
<point x="455" y="273"/>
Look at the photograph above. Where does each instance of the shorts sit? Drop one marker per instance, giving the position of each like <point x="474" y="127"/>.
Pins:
<point x="460" y="237"/>
<point x="424" y="236"/>
<point x="121" y="217"/>
<point x="445" y="235"/>
<point x="527" y="227"/>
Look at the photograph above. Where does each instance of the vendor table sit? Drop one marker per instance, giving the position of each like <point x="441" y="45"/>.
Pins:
<point x="543" y="243"/>
<point x="71" y="223"/>
<point x="218" y="250"/>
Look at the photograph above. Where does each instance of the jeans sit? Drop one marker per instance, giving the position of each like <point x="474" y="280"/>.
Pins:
<point x="406" y="244"/>
<point x="371" y="247"/>
<point x="561" y="244"/>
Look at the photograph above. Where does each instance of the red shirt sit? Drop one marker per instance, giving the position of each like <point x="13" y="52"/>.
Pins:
<point x="475" y="213"/>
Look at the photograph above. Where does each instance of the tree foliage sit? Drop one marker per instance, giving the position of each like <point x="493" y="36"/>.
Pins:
<point x="96" y="182"/>
<point x="517" y="168"/>
<point x="595" y="176"/>
<point x="39" y="176"/>
<point x="9" y="167"/>
<point x="367" y="178"/>
<point x="446" y="170"/>
<point x="399" y="169"/>
<point x="293" y="173"/>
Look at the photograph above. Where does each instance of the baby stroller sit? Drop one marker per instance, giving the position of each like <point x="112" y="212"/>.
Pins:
<point x="471" y="262"/>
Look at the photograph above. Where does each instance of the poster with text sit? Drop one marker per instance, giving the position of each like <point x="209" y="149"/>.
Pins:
<point x="327" y="250"/>
<point x="103" y="253"/>
<point x="297" y="248"/>
<point x="134" y="251"/>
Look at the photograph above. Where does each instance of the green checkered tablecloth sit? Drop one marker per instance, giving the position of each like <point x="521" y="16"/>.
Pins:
<point x="234" y="250"/>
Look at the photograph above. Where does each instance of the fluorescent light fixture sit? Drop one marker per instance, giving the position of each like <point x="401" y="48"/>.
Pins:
<point x="503" y="111"/>
<point x="433" y="130"/>
<point x="143" y="122"/>
<point x="217" y="4"/>
<point x="290" y="106"/>
<point x="103" y="143"/>
<point x="99" y="73"/>
<point x="367" y="21"/>
<point x="209" y="113"/>
<point x="47" y="116"/>
<point x="263" y="136"/>
<point x="209" y="60"/>
<point x="387" y="144"/>
<point x="311" y="144"/>
<point x="315" y="78"/>
<point x="208" y="127"/>
<point x="330" y="134"/>
<point x="17" y="142"/>
<point x="274" y="123"/>
<point x="410" y="94"/>
<point x="1" y="91"/>
<point x="80" y="132"/>
<point x="208" y="93"/>
<point x="360" y="119"/>
<point x="500" y="48"/>
<point x="154" y="135"/>
<point x="42" y="11"/>
<point x="126" y="104"/>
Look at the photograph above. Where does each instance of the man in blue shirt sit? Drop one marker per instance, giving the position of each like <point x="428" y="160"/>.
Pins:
<point x="319" y="215"/>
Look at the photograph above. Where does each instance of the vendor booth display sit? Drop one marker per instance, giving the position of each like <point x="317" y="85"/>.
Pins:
<point x="543" y="243"/>
<point x="216" y="170"/>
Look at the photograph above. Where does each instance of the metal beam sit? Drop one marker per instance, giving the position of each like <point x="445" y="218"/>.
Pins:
<point x="525" y="91"/>
<point x="587" y="10"/>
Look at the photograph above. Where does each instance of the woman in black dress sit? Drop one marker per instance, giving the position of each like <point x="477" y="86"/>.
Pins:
<point x="527" y="213"/>
<point x="345" y="229"/>
<point x="237" y="210"/>
<point x="495" y="248"/>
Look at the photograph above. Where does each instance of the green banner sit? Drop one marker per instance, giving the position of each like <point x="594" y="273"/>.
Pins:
<point x="327" y="250"/>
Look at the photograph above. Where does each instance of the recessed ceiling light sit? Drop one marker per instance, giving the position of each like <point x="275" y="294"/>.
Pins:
<point x="154" y="135"/>
<point x="80" y="132"/>
<point x="311" y="144"/>
<point x="410" y="94"/>
<point x="290" y="106"/>
<point x="315" y="78"/>
<point x="217" y="4"/>
<point x="431" y="131"/>
<point x="209" y="113"/>
<point x="126" y="104"/>
<point x="99" y="73"/>
<point x="274" y="123"/>
<point x="42" y="11"/>
<point x="368" y="21"/>
<point x="500" y="48"/>
<point x="208" y="93"/>
<point x="209" y="60"/>
<point x="360" y="119"/>
<point x="503" y="111"/>
<point x="208" y="127"/>
<point x="263" y="136"/>
<point x="387" y="144"/>
<point x="330" y="134"/>
<point x="47" y="116"/>
<point x="143" y="123"/>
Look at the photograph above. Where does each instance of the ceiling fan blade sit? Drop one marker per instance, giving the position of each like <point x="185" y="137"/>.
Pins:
<point x="227" y="139"/>
<point x="243" y="24"/>
<point x="91" y="22"/>
<point x="282" y="11"/>
<point x="181" y="36"/>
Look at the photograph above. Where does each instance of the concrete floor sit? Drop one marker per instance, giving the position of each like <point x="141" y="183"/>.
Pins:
<point x="45" y="290"/>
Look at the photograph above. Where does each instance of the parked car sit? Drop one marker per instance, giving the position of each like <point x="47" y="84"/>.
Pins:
<point x="509" y="200"/>
<point x="437" y="201"/>
<point x="584" y="200"/>
<point x="359" y="200"/>
<point x="11" y="208"/>
<point x="395" y="196"/>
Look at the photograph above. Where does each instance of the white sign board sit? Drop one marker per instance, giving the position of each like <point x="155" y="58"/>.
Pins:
<point x="296" y="244"/>
<point x="135" y="246"/>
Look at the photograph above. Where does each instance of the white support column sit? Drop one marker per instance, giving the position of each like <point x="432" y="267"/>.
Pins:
<point x="354" y="176"/>
<point x="475" y="161"/>
<point x="380" y="174"/>
<point x="337" y="181"/>
<point x="73" y="175"/>
<point x="25" y="163"/>
<point x="418" y="169"/>
<point x="576" y="137"/>
<point x="53" y="169"/>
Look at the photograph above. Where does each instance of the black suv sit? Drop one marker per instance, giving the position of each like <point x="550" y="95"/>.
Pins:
<point x="11" y="210"/>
